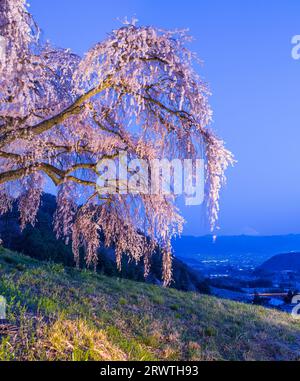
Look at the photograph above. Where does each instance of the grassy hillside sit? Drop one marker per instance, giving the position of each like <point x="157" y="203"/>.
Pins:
<point x="40" y="242"/>
<point x="65" y="314"/>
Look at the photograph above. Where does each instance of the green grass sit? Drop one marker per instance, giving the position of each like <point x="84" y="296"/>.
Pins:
<point x="67" y="314"/>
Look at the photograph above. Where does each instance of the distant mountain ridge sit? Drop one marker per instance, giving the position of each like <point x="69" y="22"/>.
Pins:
<point x="282" y="262"/>
<point x="189" y="245"/>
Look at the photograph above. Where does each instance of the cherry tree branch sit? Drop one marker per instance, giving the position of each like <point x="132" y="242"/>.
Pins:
<point x="46" y="125"/>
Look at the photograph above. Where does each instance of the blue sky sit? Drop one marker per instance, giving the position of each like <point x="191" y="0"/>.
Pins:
<point x="246" y="48"/>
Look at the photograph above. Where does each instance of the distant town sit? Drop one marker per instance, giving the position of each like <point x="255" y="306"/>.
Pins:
<point x="258" y="279"/>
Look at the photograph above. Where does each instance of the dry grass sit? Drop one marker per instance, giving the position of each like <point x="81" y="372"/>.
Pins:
<point x="76" y="340"/>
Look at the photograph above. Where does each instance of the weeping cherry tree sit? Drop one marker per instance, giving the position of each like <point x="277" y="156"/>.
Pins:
<point x="60" y="114"/>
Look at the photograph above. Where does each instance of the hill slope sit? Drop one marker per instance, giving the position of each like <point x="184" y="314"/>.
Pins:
<point x="282" y="262"/>
<point x="65" y="314"/>
<point x="40" y="242"/>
